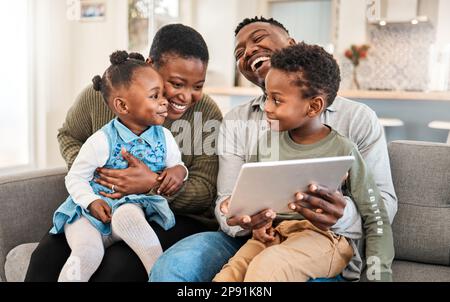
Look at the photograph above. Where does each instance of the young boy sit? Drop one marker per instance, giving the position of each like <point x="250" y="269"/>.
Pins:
<point x="302" y="83"/>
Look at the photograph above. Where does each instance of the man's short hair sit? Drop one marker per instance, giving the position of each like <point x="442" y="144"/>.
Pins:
<point x="248" y="21"/>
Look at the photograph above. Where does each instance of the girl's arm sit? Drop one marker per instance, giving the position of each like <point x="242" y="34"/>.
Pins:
<point x="93" y="154"/>
<point x="173" y="157"/>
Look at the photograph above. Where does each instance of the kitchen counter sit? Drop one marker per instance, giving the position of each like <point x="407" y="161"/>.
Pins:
<point x="351" y="94"/>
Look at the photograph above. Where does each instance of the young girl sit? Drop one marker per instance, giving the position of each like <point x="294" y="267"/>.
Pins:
<point x="134" y="92"/>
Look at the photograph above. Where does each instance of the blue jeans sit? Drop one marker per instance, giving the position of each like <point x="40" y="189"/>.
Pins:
<point x="199" y="257"/>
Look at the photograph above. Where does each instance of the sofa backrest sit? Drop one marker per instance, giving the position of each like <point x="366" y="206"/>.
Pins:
<point x="27" y="203"/>
<point x="421" y="175"/>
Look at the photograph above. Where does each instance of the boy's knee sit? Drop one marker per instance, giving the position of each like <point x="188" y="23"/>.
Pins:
<point x="271" y="265"/>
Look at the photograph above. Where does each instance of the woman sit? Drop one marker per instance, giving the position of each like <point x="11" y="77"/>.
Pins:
<point x="180" y="55"/>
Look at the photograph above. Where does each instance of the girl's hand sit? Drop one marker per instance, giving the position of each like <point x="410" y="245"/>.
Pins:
<point x="100" y="210"/>
<point x="264" y="234"/>
<point x="136" y="179"/>
<point x="172" y="180"/>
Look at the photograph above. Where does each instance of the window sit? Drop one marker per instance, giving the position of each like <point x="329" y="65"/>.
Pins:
<point x="15" y="117"/>
<point x="145" y="17"/>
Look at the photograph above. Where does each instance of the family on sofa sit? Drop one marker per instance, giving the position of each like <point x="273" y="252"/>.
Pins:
<point x="151" y="213"/>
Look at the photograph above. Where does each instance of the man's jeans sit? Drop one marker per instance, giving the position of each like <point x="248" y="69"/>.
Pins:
<point x="198" y="258"/>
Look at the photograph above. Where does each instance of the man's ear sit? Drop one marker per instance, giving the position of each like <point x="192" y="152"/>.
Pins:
<point x="316" y="106"/>
<point x="292" y="41"/>
<point x="120" y="105"/>
<point x="149" y="61"/>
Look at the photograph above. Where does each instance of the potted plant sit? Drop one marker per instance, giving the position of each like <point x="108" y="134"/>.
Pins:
<point x="355" y="54"/>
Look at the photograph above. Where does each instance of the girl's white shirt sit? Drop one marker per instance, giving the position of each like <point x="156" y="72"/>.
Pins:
<point x="94" y="154"/>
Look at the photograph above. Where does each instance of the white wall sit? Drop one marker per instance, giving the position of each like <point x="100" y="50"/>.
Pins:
<point x="93" y="42"/>
<point x="67" y="55"/>
<point x="54" y="77"/>
<point x="216" y="21"/>
<point x="440" y="52"/>
<point x="352" y="24"/>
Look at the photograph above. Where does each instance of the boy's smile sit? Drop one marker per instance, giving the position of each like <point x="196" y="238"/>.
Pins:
<point x="287" y="110"/>
<point x="284" y="103"/>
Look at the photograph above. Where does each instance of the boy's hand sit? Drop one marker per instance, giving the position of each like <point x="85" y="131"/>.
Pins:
<point x="172" y="180"/>
<point x="321" y="206"/>
<point x="264" y="234"/>
<point x="246" y="222"/>
<point x="100" y="210"/>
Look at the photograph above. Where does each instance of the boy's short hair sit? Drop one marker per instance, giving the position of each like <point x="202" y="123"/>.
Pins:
<point x="248" y="21"/>
<point x="318" y="72"/>
<point x="179" y="40"/>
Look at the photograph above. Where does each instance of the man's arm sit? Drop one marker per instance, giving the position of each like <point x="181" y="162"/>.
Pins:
<point x="232" y="155"/>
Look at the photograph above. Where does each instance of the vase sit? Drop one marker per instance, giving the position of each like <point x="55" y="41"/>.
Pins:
<point x="355" y="83"/>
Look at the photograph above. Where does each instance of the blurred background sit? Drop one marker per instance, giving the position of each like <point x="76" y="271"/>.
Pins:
<point x="394" y="56"/>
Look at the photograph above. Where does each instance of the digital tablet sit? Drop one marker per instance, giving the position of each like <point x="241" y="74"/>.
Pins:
<point x="265" y="185"/>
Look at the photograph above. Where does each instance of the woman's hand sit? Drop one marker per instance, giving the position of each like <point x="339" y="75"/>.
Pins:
<point x="246" y="222"/>
<point x="100" y="210"/>
<point x="171" y="180"/>
<point x="136" y="179"/>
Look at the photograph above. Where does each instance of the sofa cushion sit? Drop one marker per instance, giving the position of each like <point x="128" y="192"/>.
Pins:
<point x="17" y="262"/>
<point x="405" y="271"/>
<point x="28" y="201"/>
<point x="421" y="175"/>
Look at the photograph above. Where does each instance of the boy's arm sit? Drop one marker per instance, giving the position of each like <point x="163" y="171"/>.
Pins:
<point x="93" y="154"/>
<point x="376" y="224"/>
<point x="367" y="133"/>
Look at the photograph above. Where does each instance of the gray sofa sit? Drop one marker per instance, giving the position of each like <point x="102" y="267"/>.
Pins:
<point x="421" y="173"/>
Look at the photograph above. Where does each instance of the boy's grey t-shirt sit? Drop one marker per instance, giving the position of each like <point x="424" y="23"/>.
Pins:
<point x="360" y="186"/>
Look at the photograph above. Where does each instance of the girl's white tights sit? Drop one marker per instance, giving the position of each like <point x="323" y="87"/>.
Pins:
<point x="88" y="245"/>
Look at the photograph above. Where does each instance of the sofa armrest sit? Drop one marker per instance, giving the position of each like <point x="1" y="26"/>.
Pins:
<point x="27" y="203"/>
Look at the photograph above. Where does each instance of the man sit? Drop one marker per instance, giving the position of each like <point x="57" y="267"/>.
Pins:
<point x="201" y="256"/>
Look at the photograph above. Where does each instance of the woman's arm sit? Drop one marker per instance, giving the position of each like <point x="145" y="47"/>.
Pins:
<point x="199" y="190"/>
